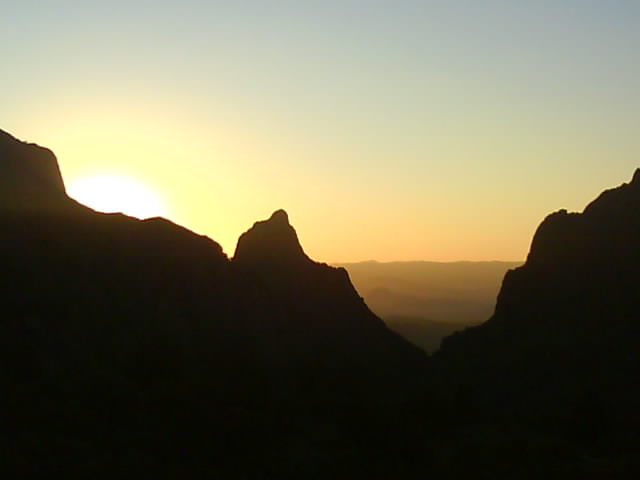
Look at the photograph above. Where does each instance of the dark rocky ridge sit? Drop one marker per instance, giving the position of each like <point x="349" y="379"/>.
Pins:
<point x="30" y="175"/>
<point x="560" y="354"/>
<point x="137" y="347"/>
<point x="270" y="242"/>
<point x="317" y="305"/>
<point x="585" y="262"/>
<point x="122" y="338"/>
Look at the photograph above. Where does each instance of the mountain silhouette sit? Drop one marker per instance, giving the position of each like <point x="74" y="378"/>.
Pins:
<point x="120" y="337"/>
<point x="30" y="175"/>
<point x="314" y="305"/>
<point x="270" y="242"/>
<point x="136" y="347"/>
<point x="560" y="354"/>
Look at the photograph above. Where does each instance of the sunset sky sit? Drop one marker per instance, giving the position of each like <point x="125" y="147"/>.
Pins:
<point x="389" y="130"/>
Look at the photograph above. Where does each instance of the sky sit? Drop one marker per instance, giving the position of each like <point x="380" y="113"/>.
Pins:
<point x="389" y="130"/>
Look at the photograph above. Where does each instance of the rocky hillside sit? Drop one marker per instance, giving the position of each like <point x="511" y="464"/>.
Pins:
<point x="121" y="337"/>
<point x="560" y="355"/>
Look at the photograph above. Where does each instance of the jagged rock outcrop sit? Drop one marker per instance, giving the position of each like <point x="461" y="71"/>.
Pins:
<point x="560" y="351"/>
<point x="314" y="305"/>
<point x="585" y="264"/>
<point x="121" y="339"/>
<point x="269" y="243"/>
<point x="30" y="175"/>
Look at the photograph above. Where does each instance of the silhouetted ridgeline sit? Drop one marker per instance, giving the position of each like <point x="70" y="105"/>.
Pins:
<point x="133" y="347"/>
<point x="138" y="346"/>
<point x="560" y="356"/>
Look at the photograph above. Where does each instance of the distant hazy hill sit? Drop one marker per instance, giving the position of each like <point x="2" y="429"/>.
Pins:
<point x="425" y="301"/>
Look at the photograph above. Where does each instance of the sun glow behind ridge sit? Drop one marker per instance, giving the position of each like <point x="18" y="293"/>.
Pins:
<point x="111" y="193"/>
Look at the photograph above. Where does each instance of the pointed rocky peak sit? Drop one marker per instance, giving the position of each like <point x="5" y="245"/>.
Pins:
<point x="29" y="174"/>
<point x="272" y="241"/>
<point x="614" y="214"/>
<point x="279" y="216"/>
<point x="553" y="237"/>
<point x="622" y="202"/>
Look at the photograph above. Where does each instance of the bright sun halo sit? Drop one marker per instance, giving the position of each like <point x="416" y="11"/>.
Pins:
<point x="114" y="193"/>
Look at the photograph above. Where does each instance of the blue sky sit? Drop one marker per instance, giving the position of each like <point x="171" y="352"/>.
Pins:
<point x="410" y="130"/>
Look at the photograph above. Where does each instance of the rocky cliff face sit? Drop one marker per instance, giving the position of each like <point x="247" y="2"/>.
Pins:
<point x="121" y="338"/>
<point x="312" y="306"/>
<point x="584" y="264"/>
<point x="561" y="347"/>
<point x="30" y="174"/>
<point x="269" y="243"/>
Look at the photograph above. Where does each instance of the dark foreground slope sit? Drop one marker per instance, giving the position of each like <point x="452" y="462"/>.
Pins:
<point x="560" y="358"/>
<point x="132" y="346"/>
<point x="137" y="348"/>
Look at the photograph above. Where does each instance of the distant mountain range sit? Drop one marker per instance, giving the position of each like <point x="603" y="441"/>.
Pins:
<point x="137" y="348"/>
<point x="426" y="301"/>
